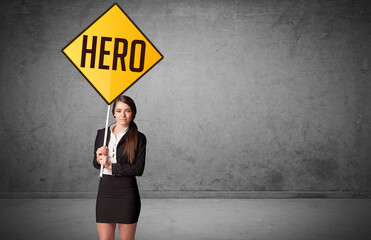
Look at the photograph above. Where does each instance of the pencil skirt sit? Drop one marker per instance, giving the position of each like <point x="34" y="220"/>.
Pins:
<point x="118" y="200"/>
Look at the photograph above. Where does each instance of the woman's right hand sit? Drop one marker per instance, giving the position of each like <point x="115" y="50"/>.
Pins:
<point x="102" y="154"/>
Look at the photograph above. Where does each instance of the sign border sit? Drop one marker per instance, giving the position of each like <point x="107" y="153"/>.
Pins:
<point x="115" y="4"/>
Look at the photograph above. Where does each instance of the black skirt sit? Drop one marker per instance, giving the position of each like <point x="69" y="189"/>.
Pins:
<point x="118" y="200"/>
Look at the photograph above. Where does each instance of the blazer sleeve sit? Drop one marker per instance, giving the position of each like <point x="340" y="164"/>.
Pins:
<point x="97" y="144"/>
<point x="137" y="168"/>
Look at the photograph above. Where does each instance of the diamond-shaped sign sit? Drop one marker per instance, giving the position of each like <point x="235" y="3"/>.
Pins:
<point x="112" y="53"/>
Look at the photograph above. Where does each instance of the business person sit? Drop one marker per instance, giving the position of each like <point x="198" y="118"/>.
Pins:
<point x="118" y="200"/>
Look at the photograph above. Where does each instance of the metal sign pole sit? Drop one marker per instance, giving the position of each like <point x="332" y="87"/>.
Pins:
<point x="105" y="137"/>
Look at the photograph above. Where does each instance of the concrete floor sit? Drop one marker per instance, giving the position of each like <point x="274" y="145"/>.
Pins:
<point x="178" y="219"/>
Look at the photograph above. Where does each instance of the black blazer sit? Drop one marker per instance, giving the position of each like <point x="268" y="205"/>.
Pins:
<point x="123" y="167"/>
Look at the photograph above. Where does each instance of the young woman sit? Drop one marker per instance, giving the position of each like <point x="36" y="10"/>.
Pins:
<point x="118" y="200"/>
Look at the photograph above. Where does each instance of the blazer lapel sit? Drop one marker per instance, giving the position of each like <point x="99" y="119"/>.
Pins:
<point x="122" y="140"/>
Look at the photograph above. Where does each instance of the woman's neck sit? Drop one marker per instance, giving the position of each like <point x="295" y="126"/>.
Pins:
<point x="118" y="128"/>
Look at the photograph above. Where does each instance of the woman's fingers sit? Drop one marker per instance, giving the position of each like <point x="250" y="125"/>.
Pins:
<point x="105" y="150"/>
<point x="102" y="151"/>
<point x="102" y="160"/>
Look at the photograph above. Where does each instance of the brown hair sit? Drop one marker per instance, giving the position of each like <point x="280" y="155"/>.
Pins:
<point x="131" y="142"/>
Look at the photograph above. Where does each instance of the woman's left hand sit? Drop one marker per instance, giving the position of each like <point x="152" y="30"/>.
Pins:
<point x="103" y="160"/>
<point x="108" y="165"/>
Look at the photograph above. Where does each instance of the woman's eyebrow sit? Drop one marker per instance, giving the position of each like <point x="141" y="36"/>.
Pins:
<point x="117" y="109"/>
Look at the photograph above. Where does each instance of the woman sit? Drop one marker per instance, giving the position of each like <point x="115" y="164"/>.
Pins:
<point x="118" y="200"/>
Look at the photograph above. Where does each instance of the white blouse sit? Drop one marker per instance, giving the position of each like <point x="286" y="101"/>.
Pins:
<point x="112" y="146"/>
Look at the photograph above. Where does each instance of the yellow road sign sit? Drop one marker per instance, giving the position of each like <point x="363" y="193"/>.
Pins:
<point x="112" y="53"/>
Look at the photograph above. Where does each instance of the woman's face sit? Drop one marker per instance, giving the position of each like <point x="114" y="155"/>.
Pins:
<point x="123" y="114"/>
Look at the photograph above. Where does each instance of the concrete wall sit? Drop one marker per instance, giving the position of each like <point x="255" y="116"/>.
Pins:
<point x="251" y="96"/>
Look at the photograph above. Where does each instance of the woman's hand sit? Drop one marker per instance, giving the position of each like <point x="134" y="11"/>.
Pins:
<point x="102" y="157"/>
<point x="102" y="151"/>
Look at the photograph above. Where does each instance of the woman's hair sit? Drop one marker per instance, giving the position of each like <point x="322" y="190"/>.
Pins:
<point x="131" y="142"/>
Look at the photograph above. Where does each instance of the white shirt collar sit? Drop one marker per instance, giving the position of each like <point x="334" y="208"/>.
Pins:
<point x="123" y="131"/>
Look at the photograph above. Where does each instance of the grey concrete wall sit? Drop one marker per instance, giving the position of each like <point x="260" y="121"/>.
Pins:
<point x="251" y="95"/>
